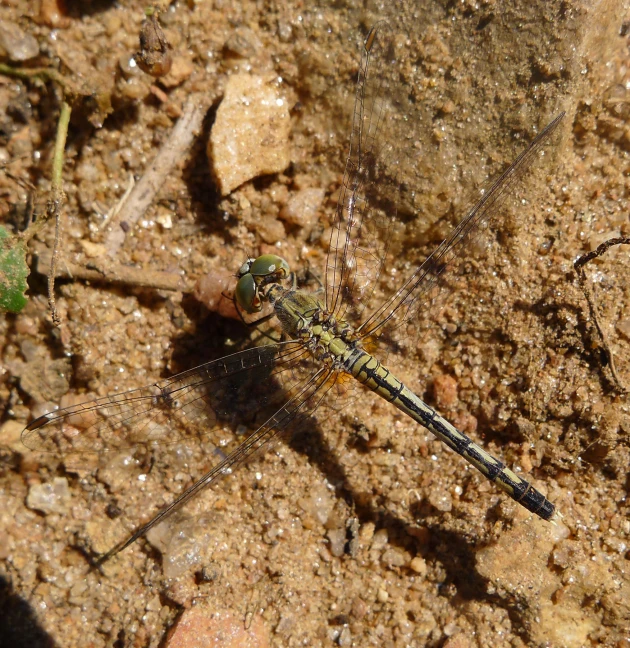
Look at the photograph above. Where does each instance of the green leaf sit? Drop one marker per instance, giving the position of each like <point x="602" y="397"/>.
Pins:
<point x="13" y="272"/>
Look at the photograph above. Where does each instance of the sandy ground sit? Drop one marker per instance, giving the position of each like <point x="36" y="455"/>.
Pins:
<point x="364" y="531"/>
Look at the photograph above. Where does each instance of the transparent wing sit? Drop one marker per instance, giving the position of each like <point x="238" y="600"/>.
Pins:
<point x="366" y="207"/>
<point x="240" y="389"/>
<point x="305" y="396"/>
<point x="272" y="389"/>
<point x="366" y="210"/>
<point x="404" y="304"/>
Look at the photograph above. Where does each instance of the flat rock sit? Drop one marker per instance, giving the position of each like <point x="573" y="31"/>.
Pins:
<point x="250" y="136"/>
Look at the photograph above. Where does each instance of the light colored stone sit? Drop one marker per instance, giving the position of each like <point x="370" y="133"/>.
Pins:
<point x="518" y="566"/>
<point x="337" y="539"/>
<point x="419" y="565"/>
<point x="10" y="433"/>
<point x="49" y="497"/>
<point x="16" y="43"/>
<point x="250" y="136"/>
<point x="303" y="207"/>
<point x="93" y="250"/>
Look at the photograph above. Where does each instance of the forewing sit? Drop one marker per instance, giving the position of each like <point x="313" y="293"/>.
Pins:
<point x="403" y="306"/>
<point x="237" y="390"/>
<point x="366" y="207"/>
<point x="304" y="393"/>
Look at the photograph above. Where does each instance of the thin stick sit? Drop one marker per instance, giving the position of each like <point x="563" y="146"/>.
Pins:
<point x="54" y="203"/>
<point x="579" y="269"/>
<point x="45" y="74"/>
<point x="142" y="195"/>
<point x="111" y="272"/>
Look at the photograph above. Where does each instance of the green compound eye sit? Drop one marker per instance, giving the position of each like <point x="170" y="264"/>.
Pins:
<point x="266" y="269"/>
<point x="269" y="264"/>
<point x="246" y="294"/>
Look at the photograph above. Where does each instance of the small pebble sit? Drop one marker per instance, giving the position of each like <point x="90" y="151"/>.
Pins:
<point x="53" y="13"/>
<point x="441" y="500"/>
<point x="10" y="433"/>
<point x="394" y="558"/>
<point x="16" y="43"/>
<point x="366" y="533"/>
<point x="201" y="626"/>
<point x="380" y="539"/>
<point x="345" y="637"/>
<point x="318" y="504"/>
<point x="419" y="565"/>
<point x="271" y="230"/>
<point x="623" y="327"/>
<point x="445" y="391"/>
<point x="337" y="539"/>
<point x="93" y="250"/>
<point x="242" y="42"/>
<point x="359" y="608"/>
<point x="181" y="70"/>
<point x="49" y="497"/>
<point x="303" y="206"/>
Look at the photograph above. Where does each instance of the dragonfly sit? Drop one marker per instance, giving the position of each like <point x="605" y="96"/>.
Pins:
<point x="326" y="348"/>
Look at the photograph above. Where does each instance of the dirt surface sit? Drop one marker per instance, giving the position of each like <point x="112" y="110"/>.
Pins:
<point x="365" y="531"/>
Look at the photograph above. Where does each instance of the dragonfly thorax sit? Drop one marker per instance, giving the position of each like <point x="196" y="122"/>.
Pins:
<point x="303" y="317"/>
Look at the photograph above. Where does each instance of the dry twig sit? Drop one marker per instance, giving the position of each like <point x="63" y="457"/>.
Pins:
<point x="579" y="269"/>
<point x="111" y="272"/>
<point x="53" y="205"/>
<point x="143" y="193"/>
